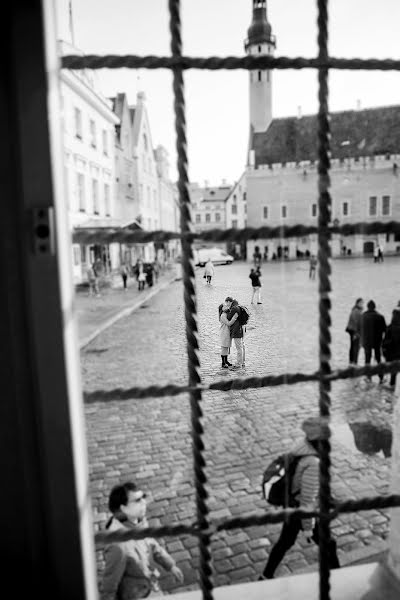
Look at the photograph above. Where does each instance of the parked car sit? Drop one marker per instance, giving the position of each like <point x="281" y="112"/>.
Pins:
<point x="218" y="257"/>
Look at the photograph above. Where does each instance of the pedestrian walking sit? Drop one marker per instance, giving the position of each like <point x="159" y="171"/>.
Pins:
<point x="391" y="343"/>
<point x="140" y="274"/>
<point x="304" y="492"/>
<point x="129" y="571"/>
<point x="373" y="329"/>
<point x="354" y="330"/>
<point x="149" y="275"/>
<point x="124" y="274"/>
<point x="380" y="253"/>
<point x="224" y="330"/>
<point x="257" y="257"/>
<point x="313" y="266"/>
<point x="93" y="281"/>
<point x="376" y="253"/>
<point x="209" y="271"/>
<point x="237" y="335"/>
<point x="256" y="285"/>
<point x="156" y="269"/>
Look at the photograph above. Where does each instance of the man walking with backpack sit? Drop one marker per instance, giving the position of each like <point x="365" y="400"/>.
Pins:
<point x="237" y="332"/>
<point x="303" y="490"/>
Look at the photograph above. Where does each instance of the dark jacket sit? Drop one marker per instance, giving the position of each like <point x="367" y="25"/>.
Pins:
<point x="355" y="320"/>
<point x="255" y="280"/>
<point x="373" y="328"/>
<point x="391" y="342"/>
<point x="236" y="328"/>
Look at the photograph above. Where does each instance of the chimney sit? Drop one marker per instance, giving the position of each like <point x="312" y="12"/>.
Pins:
<point x="223" y="182"/>
<point x="206" y="183"/>
<point x="299" y="115"/>
<point x="358" y="104"/>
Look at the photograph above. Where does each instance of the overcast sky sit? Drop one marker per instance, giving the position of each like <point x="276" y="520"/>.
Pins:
<point x="217" y="102"/>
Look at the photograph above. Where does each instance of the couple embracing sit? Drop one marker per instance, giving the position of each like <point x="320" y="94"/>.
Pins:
<point x="231" y="328"/>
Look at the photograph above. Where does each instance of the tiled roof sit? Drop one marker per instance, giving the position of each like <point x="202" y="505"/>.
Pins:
<point x="354" y="133"/>
<point x="216" y="194"/>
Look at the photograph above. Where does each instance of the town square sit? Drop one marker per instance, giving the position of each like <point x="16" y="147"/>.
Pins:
<point x="149" y="439"/>
<point x="200" y="311"/>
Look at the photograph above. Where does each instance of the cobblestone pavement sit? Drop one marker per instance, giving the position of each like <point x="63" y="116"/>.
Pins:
<point x="149" y="440"/>
<point x="93" y="311"/>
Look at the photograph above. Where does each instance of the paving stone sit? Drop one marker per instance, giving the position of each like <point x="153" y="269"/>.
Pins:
<point x="241" y="560"/>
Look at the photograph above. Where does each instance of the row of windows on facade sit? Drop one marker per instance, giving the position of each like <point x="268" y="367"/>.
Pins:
<point x="92" y="131"/>
<point x="81" y="193"/>
<point x="234" y="210"/>
<point x="385" y="207"/>
<point x="217" y="219"/>
<point x="141" y="198"/>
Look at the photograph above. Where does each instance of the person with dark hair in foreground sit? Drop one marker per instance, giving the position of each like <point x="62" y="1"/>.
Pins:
<point x="129" y="571"/>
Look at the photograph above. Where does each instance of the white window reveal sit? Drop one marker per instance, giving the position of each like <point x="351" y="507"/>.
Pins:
<point x="80" y="185"/>
<point x="107" y="200"/>
<point x="78" y="123"/>
<point x="314" y="210"/>
<point x="92" y="128"/>
<point x="284" y="211"/>
<point x="198" y="218"/>
<point x="265" y="212"/>
<point x="105" y="143"/>
<point x="95" y="194"/>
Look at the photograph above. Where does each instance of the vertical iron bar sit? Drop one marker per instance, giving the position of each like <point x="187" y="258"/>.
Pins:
<point x="190" y="307"/>
<point x="324" y="272"/>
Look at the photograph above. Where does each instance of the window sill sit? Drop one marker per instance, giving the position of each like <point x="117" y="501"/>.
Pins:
<point x="372" y="581"/>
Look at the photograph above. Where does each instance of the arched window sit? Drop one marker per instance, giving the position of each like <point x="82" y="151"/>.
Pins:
<point x="145" y="142"/>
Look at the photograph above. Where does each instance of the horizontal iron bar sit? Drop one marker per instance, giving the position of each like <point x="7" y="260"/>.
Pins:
<point x="158" y="391"/>
<point x="271" y="516"/>
<point x="89" y="236"/>
<point x="212" y="63"/>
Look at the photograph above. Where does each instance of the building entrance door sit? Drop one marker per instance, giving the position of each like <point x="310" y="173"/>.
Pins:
<point x="368" y="247"/>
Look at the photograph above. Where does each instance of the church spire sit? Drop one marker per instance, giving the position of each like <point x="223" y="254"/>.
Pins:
<point x="260" y="42"/>
<point x="260" y="31"/>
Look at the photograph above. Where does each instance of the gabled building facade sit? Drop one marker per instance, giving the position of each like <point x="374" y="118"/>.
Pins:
<point x="209" y="206"/>
<point x="88" y="124"/>
<point x="282" y="172"/>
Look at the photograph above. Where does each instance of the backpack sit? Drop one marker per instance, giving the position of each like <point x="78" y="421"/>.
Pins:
<point x="278" y="479"/>
<point x="244" y="315"/>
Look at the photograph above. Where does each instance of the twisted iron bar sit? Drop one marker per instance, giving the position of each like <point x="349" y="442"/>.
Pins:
<point x="226" y="385"/>
<point x="324" y="272"/>
<point x="271" y="516"/>
<point x="214" y="63"/>
<point x="109" y="236"/>
<point x="192" y="345"/>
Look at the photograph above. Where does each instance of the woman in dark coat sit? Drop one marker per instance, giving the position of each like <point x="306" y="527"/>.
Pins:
<point x="391" y="343"/>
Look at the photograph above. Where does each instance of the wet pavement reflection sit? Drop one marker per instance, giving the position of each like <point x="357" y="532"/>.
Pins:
<point x="365" y="424"/>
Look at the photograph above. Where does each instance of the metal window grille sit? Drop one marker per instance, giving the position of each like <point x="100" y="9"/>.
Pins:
<point x="177" y="63"/>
